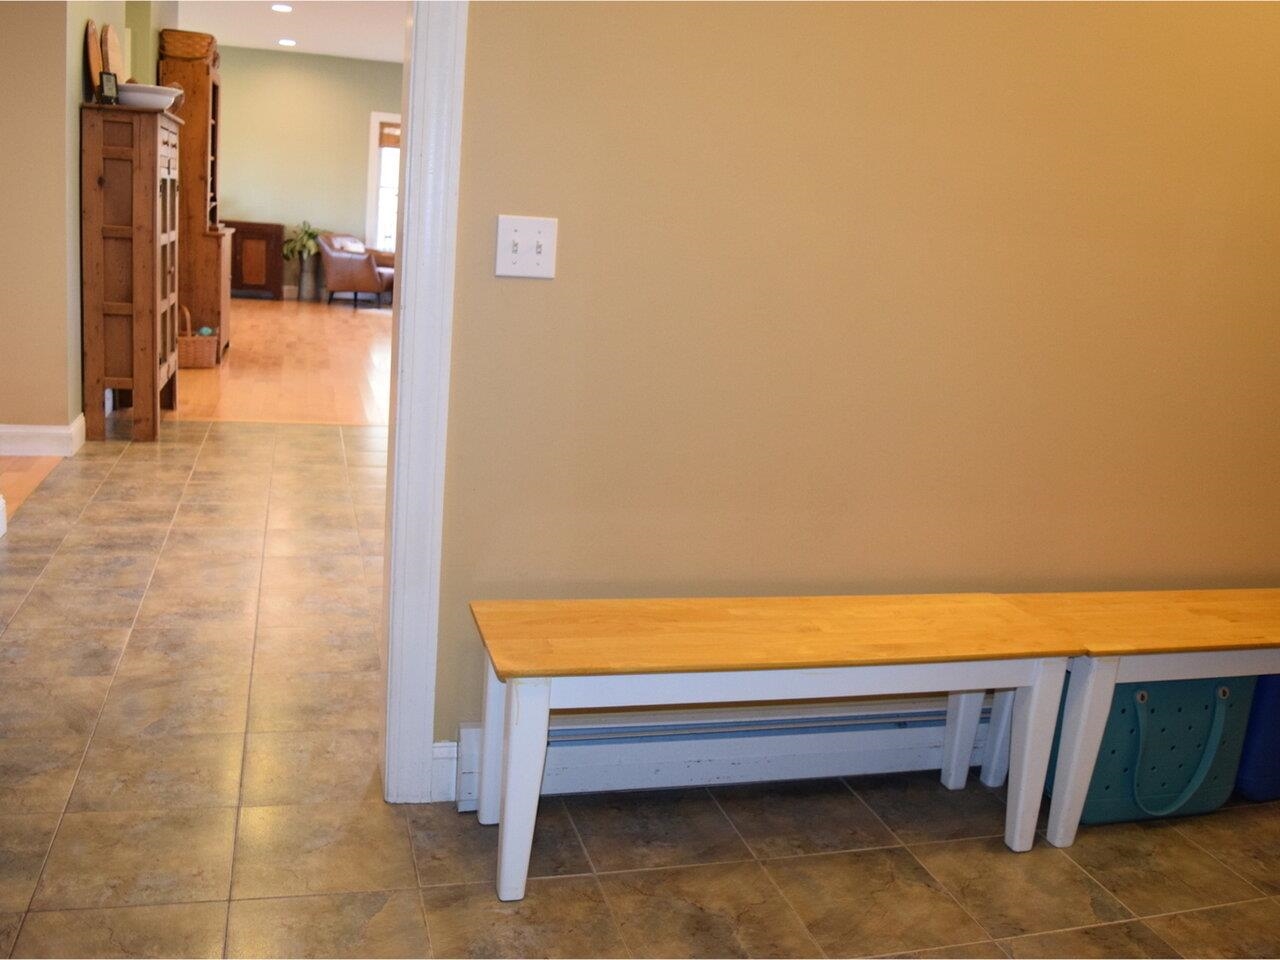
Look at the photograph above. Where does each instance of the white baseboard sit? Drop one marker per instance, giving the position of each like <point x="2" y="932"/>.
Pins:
<point x="27" y="440"/>
<point x="645" y="751"/>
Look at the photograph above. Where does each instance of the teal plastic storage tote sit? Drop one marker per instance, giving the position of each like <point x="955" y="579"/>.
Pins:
<point x="1170" y="748"/>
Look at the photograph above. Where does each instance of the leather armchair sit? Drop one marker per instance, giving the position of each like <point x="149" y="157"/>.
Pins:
<point x="349" y="267"/>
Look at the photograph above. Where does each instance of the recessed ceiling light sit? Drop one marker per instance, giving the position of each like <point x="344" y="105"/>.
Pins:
<point x="286" y="42"/>
<point x="282" y="8"/>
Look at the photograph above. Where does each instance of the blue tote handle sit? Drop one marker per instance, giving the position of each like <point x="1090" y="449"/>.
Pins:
<point x="1211" y="746"/>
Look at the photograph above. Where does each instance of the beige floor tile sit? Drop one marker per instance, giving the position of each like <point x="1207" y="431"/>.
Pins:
<point x="358" y="474"/>
<point x="918" y="808"/>
<point x="813" y="816"/>
<point x="190" y="606"/>
<point x="379" y="924"/>
<point x="1246" y="837"/>
<point x="127" y="858"/>
<point x="329" y="515"/>
<point x="155" y="773"/>
<point x="250" y="489"/>
<point x="128" y="572"/>
<point x="170" y="930"/>
<point x="559" y="917"/>
<point x="148" y="706"/>
<point x="107" y="512"/>
<point x="352" y="649"/>
<point x="220" y="513"/>
<point x="367" y="458"/>
<point x="1012" y="894"/>
<point x="29" y="541"/>
<point x="453" y="847"/>
<point x="981" y="950"/>
<point x="1239" y="930"/>
<point x="58" y="607"/>
<point x="321" y="848"/>
<point x="215" y="574"/>
<point x="871" y="902"/>
<point x="1131" y="939"/>
<point x="322" y="605"/>
<point x="9" y="923"/>
<point x="312" y="767"/>
<point x="138" y="492"/>
<point x="1152" y="868"/>
<point x="36" y="775"/>
<point x="668" y="828"/>
<point x="24" y="841"/>
<point x="97" y="542"/>
<point x="190" y="651"/>
<point x="300" y="573"/>
<point x="310" y="542"/>
<point x="42" y="708"/>
<point x="716" y="910"/>
<point x="66" y="652"/>
<point x="226" y="542"/>
<point x="318" y="701"/>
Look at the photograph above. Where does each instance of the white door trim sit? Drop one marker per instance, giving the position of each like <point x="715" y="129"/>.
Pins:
<point x="431" y="148"/>
<point x="372" y="182"/>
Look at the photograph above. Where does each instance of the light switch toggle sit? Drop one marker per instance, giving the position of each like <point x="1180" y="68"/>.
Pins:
<point x="526" y="247"/>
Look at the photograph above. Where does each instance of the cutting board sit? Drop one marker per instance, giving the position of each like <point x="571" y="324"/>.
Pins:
<point x="93" y="49"/>
<point x="112" y="58"/>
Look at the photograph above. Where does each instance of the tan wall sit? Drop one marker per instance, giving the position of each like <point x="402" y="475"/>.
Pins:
<point x="865" y="298"/>
<point x="33" y="308"/>
<point x="41" y="54"/>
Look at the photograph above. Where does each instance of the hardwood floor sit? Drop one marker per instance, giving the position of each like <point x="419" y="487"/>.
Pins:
<point x="21" y="475"/>
<point x="293" y="362"/>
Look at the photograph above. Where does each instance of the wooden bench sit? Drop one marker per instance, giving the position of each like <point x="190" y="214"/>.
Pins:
<point x="1134" y="637"/>
<point x="547" y="655"/>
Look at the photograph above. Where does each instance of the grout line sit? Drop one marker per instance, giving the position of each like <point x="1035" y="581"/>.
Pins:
<point x="595" y="875"/>
<point x="929" y="873"/>
<point x="248" y="700"/>
<point x="44" y="863"/>
<point x="1195" y="843"/>
<point x="771" y="878"/>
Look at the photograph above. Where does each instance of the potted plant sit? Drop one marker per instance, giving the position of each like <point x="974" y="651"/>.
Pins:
<point x="302" y="244"/>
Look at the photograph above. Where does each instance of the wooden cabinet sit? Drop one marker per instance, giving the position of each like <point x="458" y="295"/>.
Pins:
<point x="191" y="59"/>
<point x="129" y="250"/>
<point x="257" y="260"/>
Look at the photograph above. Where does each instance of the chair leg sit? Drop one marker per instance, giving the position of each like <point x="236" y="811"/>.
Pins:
<point x="330" y="297"/>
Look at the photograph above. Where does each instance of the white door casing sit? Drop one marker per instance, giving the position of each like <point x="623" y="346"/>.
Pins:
<point x="431" y="146"/>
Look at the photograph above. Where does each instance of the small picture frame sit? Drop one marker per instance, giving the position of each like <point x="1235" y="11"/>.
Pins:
<point x="108" y="88"/>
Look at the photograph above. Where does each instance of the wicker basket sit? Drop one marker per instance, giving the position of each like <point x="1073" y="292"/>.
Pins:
<point x="193" y="349"/>
<point x="186" y="45"/>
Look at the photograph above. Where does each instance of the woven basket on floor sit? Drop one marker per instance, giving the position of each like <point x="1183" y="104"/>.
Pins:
<point x="193" y="349"/>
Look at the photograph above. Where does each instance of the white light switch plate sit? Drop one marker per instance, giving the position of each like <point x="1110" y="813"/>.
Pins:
<point x="526" y="247"/>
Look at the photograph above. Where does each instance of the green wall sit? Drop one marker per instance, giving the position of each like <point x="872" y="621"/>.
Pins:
<point x="295" y="135"/>
<point x="145" y="19"/>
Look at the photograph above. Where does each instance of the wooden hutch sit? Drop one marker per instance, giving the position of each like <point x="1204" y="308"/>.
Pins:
<point x="129" y="185"/>
<point x="191" y="59"/>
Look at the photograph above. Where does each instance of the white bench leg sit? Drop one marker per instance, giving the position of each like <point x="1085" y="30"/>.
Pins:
<point x="1035" y="712"/>
<point x="528" y="714"/>
<point x="995" y="762"/>
<point x="1093" y="684"/>
<point x="489" y="792"/>
<point x="963" y="712"/>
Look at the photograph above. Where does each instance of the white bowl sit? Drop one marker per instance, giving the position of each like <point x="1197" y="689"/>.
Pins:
<point x="145" y="95"/>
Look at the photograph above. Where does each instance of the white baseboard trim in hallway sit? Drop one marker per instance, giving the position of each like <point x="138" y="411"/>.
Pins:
<point x="41" y="440"/>
<point x="588" y="755"/>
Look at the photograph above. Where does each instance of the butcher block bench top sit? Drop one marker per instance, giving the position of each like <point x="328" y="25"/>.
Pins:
<point x="563" y="638"/>
<point x="1160" y="621"/>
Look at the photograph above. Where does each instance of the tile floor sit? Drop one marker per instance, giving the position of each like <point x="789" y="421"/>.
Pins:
<point x="190" y="692"/>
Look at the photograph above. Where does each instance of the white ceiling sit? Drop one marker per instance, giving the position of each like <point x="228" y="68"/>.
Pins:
<point x="366" y="30"/>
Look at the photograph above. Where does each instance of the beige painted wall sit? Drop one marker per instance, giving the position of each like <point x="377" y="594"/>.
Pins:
<point x="41" y="55"/>
<point x="295" y="137"/>
<point x="145" y="19"/>
<point x="862" y="298"/>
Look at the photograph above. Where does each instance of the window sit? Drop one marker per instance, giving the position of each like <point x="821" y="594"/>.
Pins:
<point x="384" y="181"/>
